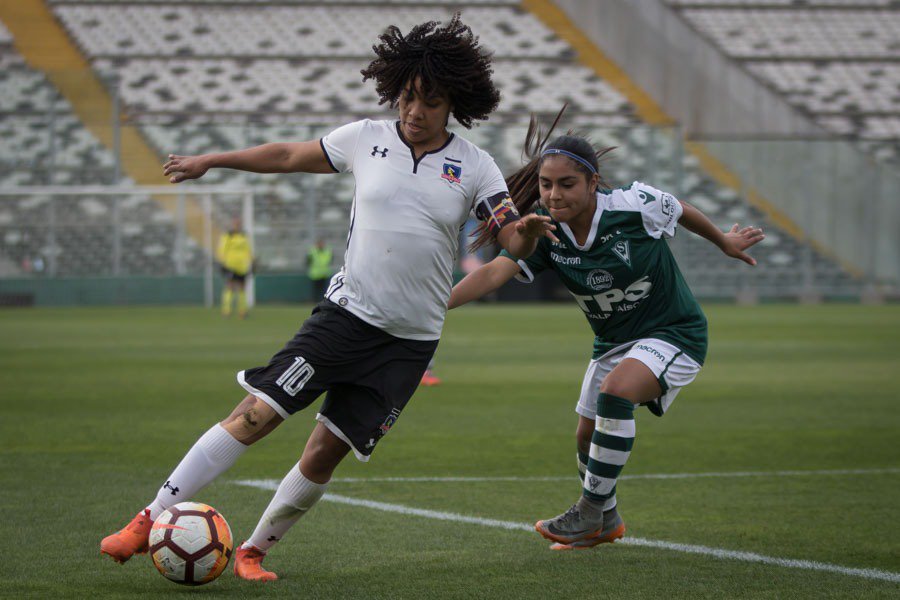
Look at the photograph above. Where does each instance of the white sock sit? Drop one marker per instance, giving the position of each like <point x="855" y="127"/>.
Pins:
<point x="295" y="496"/>
<point x="610" y="503"/>
<point x="212" y="455"/>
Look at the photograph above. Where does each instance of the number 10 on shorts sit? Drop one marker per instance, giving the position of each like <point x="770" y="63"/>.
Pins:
<point x="295" y="377"/>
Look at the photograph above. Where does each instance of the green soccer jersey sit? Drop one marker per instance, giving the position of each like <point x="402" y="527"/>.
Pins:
<point x="624" y="277"/>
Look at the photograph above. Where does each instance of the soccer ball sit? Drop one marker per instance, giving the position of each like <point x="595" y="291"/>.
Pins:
<point x="191" y="543"/>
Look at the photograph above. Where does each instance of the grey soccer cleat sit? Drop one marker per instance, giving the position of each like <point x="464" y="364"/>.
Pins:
<point x="613" y="529"/>
<point x="581" y="522"/>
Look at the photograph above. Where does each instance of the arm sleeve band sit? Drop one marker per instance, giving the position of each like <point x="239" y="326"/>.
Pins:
<point x="497" y="211"/>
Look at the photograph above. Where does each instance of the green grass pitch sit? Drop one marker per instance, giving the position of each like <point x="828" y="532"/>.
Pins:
<point x="99" y="405"/>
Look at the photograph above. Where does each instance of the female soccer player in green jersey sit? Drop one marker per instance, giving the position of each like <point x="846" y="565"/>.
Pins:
<point x="651" y="336"/>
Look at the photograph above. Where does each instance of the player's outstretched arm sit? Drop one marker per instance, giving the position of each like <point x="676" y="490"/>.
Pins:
<point x="732" y="242"/>
<point x="520" y="237"/>
<point x="291" y="157"/>
<point x="483" y="281"/>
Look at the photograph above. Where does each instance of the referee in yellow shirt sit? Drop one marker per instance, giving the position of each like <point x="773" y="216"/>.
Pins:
<point x="236" y="258"/>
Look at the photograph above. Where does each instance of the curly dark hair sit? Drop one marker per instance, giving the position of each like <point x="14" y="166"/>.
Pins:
<point x="449" y="62"/>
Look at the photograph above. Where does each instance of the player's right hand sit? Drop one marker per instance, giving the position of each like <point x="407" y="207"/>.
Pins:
<point x="181" y="168"/>
<point x="535" y="226"/>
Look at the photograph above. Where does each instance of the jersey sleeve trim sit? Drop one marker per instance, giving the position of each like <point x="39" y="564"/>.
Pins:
<point x="524" y="275"/>
<point x="328" y="158"/>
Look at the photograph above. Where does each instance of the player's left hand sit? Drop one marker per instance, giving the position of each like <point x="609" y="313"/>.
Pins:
<point x="738" y="239"/>
<point x="535" y="226"/>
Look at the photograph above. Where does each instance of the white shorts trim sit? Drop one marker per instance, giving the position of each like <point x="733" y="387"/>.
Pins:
<point x="668" y="362"/>
<point x="524" y="275"/>
<point x="337" y="431"/>
<point x="262" y="396"/>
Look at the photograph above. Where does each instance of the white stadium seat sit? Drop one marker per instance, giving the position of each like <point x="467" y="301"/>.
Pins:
<point x="205" y="75"/>
<point x="837" y="60"/>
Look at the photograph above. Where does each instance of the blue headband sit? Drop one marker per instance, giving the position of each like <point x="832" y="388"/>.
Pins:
<point x="571" y="155"/>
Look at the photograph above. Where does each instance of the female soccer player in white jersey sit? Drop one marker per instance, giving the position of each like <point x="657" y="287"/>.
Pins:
<point x="650" y="332"/>
<point x="369" y="341"/>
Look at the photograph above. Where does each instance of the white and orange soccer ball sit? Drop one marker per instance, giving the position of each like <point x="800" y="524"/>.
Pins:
<point x="191" y="543"/>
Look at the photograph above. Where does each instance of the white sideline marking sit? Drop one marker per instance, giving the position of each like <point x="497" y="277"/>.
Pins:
<point x="887" y="470"/>
<point x="270" y="484"/>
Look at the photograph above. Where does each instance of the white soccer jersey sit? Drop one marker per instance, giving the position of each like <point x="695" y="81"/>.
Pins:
<point x="405" y="223"/>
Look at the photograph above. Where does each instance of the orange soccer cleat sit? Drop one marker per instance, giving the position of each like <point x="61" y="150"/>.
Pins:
<point x="121" y="545"/>
<point x="429" y="379"/>
<point x="248" y="565"/>
<point x="618" y="534"/>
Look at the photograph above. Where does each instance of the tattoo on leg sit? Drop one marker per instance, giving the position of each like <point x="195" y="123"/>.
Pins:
<point x="248" y="418"/>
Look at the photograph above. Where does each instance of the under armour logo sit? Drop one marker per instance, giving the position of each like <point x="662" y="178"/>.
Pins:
<point x="272" y="538"/>
<point x="383" y="153"/>
<point x="593" y="482"/>
<point x="174" y="489"/>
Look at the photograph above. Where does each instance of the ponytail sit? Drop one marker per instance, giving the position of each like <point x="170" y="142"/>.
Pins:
<point x="523" y="184"/>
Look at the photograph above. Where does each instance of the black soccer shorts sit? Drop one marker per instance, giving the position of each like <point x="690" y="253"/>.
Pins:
<point x="368" y="375"/>
<point x="230" y="275"/>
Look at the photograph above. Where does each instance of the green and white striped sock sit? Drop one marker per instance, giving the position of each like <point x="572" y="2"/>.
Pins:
<point x="610" y="447"/>
<point x="582" y="464"/>
<point x="582" y="469"/>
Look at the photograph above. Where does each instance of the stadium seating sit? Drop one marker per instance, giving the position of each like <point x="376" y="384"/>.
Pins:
<point x="330" y="87"/>
<point x="281" y="31"/>
<point x="302" y="3"/>
<point x="780" y="3"/>
<point x="249" y="63"/>
<point x="205" y="75"/>
<point x="73" y="236"/>
<point x="836" y="60"/>
<point x="44" y="143"/>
